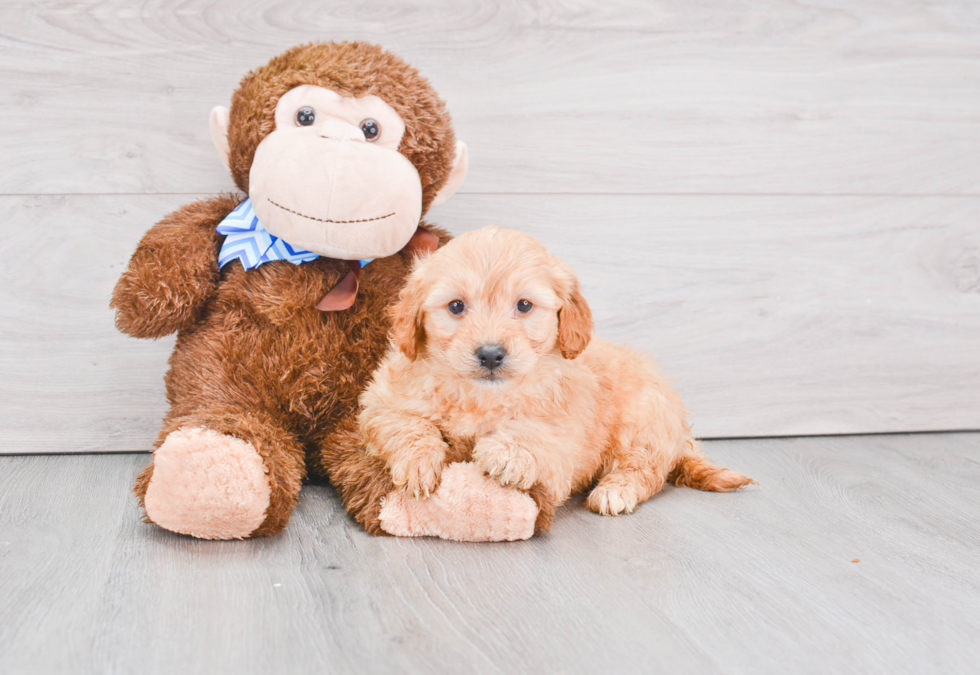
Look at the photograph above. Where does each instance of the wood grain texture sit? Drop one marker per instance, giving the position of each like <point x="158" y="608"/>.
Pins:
<point x="69" y="382"/>
<point x="622" y="96"/>
<point x="777" y="199"/>
<point x="773" y="316"/>
<point x="757" y="581"/>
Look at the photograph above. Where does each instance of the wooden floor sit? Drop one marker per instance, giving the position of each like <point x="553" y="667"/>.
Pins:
<point x="854" y="554"/>
<point x="779" y="200"/>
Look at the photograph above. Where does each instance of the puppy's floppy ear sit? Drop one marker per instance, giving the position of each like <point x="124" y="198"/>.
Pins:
<point x="407" y="327"/>
<point x="574" y="315"/>
<point x="574" y="324"/>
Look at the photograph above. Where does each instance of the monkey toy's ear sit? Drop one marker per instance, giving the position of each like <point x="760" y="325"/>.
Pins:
<point x="456" y="175"/>
<point x="219" y="132"/>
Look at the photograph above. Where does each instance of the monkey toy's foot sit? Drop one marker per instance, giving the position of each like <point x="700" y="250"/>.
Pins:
<point x="468" y="506"/>
<point x="207" y="485"/>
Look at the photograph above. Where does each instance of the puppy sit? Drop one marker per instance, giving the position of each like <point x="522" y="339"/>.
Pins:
<point x="492" y="361"/>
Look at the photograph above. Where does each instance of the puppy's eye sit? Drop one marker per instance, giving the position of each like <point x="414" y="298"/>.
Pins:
<point x="305" y="116"/>
<point x="524" y="306"/>
<point x="371" y="130"/>
<point x="456" y="307"/>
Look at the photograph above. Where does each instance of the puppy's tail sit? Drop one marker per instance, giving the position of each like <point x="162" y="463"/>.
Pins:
<point x="694" y="470"/>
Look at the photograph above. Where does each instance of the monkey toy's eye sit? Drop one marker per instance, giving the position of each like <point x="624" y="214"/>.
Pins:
<point x="371" y="130"/>
<point x="524" y="306"/>
<point x="456" y="307"/>
<point x="305" y="116"/>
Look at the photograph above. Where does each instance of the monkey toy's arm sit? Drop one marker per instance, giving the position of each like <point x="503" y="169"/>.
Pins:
<point x="173" y="271"/>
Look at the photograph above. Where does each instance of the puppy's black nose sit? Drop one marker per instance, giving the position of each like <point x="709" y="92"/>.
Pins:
<point x="491" y="356"/>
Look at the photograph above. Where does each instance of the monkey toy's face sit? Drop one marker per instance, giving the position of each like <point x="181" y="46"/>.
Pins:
<point x="330" y="178"/>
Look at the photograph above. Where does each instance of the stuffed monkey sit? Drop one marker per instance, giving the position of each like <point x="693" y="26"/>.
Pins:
<point x="279" y="298"/>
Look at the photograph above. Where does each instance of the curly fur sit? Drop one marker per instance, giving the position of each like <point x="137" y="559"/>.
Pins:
<point x="564" y="411"/>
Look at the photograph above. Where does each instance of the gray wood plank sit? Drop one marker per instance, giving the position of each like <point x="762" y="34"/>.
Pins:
<point x="837" y="97"/>
<point x="69" y="381"/>
<point x="779" y="315"/>
<point x="757" y="581"/>
<point x="773" y="316"/>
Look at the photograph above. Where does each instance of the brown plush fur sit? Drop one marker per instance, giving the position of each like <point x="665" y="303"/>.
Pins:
<point x="350" y="69"/>
<point x="562" y="411"/>
<point x="254" y="358"/>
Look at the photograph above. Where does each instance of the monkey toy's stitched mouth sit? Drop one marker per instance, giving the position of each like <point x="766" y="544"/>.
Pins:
<point x="325" y="220"/>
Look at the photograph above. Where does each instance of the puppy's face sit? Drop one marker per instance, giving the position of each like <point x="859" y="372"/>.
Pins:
<point x="489" y="306"/>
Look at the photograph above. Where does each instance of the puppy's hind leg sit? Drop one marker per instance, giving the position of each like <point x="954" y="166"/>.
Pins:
<point x="622" y="489"/>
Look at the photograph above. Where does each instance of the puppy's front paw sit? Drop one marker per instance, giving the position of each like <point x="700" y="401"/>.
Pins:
<point x="613" y="497"/>
<point x="417" y="470"/>
<point x="508" y="463"/>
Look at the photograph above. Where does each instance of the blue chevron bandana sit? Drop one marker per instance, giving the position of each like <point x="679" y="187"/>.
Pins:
<point x="248" y="241"/>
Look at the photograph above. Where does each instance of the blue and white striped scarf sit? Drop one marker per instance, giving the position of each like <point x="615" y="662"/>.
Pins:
<point x="248" y="241"/>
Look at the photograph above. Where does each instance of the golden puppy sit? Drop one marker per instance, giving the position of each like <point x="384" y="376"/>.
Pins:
<point x="492" y="361"/>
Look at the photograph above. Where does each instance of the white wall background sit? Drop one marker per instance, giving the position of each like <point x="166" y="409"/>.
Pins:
<point x="779" y="199"/>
